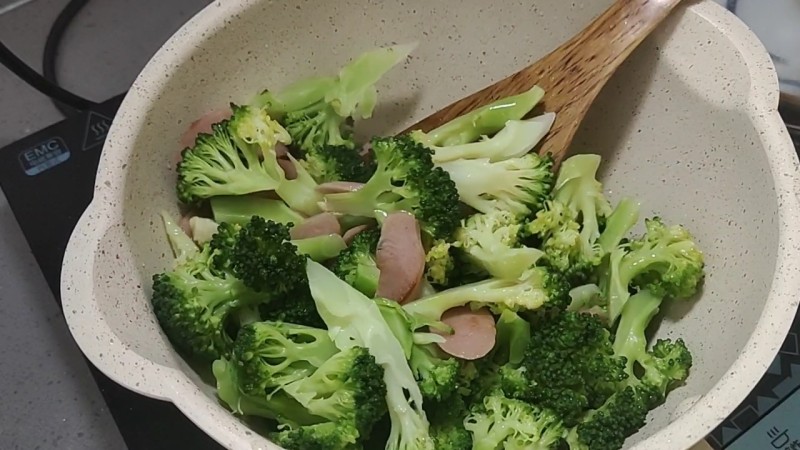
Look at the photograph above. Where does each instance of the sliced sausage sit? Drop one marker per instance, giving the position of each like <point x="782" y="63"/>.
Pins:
<point x="288" y="168"/>
<point x="319" y="225"/>
<point x="339" y="187"/>
<point x="474" y="332"/>
<point x="400" y="257"/>
<point x="352" y="232"/>
<point x="185" y="225"/>
<point x="203" y="125"/>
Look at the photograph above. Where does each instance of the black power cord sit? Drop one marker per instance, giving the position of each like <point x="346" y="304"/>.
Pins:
<point x="51" y="47"/>
<point x="65" y="100"/>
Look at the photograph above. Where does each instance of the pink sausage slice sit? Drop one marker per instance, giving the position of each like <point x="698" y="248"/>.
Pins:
<point x="474" y="333"/>
<point x="320" y="225"/>
<point x="338" y="187"/>
<point x="400" y="257"/>
<point x="203" y="125"/>
<point x="289" y="170"/>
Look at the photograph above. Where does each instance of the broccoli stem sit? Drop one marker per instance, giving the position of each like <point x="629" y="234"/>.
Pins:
<point x="300" y="193"/>
<point x="630" y="340"/>
<point x="624" y="217"/>
<point x="183" y="247"/>
<point x="513" y="337"/>
<point x="486" y="120"/>
<point x="496" y="293"/>
<point x="320" y="248"/>
<point x="239" y="209"/>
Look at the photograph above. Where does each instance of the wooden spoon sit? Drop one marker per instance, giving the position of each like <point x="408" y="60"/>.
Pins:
<point x="573" y="74"/>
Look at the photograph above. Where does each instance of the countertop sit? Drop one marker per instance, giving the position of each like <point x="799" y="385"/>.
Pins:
<point x="50" y="399"/>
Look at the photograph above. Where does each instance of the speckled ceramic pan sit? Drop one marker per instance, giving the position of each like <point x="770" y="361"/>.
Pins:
<point x="688" y="125"/>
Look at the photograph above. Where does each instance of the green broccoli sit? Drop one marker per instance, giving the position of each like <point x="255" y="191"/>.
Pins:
<point x="436" y="373"/>
<point x="279" y="406"/>
<point x="577" y="188"/>
<point x="270" y="355"/>
<point x="538" y="288"/>
<point x="337" y="163"/>
<point x="447" y="424"/>
<point x="517" y="138"/>
<point x="238" y="157"/>
<point x="405" y="179"/>
<point x="665" y="260"/>
<point x="571" y="363"/>
<point x="491" y="242"/>
<point x="319" y="436"/>
<point x="356" y="265"/>
<point x="607" y="427"/>
<point x="650" y="376"/>
<point x="348" y="390"/>
<point x="194" y="305"/>
<point x="319" y="111"/>
<point x="518" y="185"/>
<point x="500" y="422"/>
<point x="356" y="320"/>
<point x="666" y="365"/>
<point x="440" y="263"/>
<point x="484" y="121"/>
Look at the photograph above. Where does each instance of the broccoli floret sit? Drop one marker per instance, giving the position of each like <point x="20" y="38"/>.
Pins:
<point x="518" y="185"/>
<point x="447" y="424"/>
<point x="238" y="157"/>
<point x="614" y="228"/>
<point x="295" y="307"/>
<point x="665" y="260"/>
<point x="319" y="111"/>
<point x="484" y="121"/>
<point x="278" y="406"/>
<point x="558" y="233"/>
<point x="320" y="436"/>
<point x="356" y="320"/>
<point x="607" y="427"/>
<point x="337" y="163"/>
<point x="517" y="138"/>
<point x="194" y="305"/>
<point x="666" y="365"/>
<point x="347" y="389"/>
<point x="405" y="179"/>
<point x="239" y="209"/>
<point x="270" y="355"/>
<point x="437" y="374"/>
<point x="501" y="422"/>
<point x="491" y="242"/>
<point x="356" y="265"/>
<point x="659" y="371"/>
<point x="263" y="257"/>
<point x="571" y="363"/>
<point x="538" y="288"/>
<point x="577" y="188"/>
<point x="447" y="266"/>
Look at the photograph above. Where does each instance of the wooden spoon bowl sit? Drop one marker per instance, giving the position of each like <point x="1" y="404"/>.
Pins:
<point x="573" y="74"/>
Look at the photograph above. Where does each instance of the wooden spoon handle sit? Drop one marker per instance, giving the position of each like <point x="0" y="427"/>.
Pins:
<point x="573" y="74"/>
